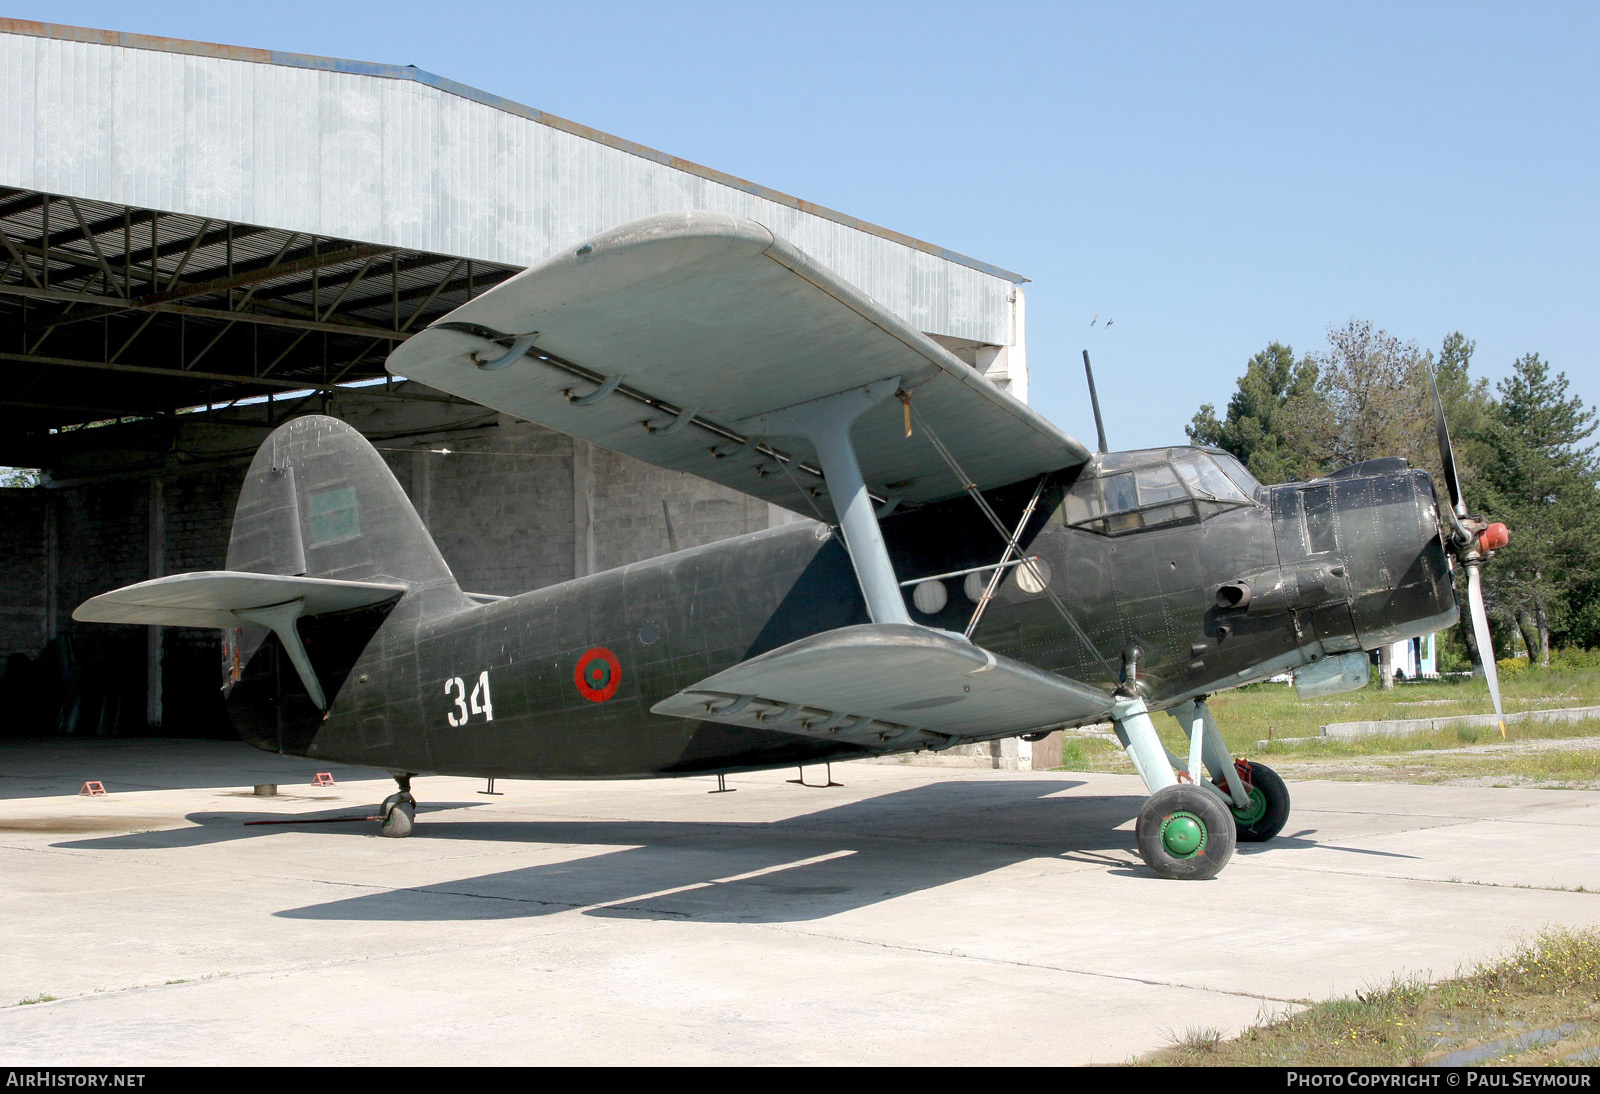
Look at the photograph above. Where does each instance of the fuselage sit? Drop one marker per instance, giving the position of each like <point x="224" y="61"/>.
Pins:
<point x="1141" y="550"/>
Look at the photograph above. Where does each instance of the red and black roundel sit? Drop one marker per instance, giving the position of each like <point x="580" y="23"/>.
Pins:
<point x="598" y="675"/>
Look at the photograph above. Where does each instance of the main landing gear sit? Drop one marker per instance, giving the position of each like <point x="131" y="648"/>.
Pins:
<point x="398" y="811"/>
<point x="1188" y="827"/>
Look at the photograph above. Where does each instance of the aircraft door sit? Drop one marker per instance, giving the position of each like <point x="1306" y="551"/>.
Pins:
<point x="1305" y="527"/>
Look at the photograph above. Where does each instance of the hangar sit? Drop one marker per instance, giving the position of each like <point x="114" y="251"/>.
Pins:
<point x="198" y="241"/>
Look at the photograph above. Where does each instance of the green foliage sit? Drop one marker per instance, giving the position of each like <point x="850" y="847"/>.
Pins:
<point x="1374" y="400"/>
<point x="1270" y="394"/>
<point x="1562" y="962"/>
<point x="1546" y="984"/>
<point x="19" y="477"/>
<point x="1539" y="477"/>
<point x="1575" y="659"/>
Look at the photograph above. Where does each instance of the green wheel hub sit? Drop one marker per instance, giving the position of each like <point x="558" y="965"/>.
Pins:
<point x="1183" y="834"/>
<point x="1253" y="812"/>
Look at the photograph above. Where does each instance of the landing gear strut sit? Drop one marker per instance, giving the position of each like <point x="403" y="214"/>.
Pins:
<point x="1189" y="826"/>
<point x="1268" y="810"/>
<point x="399" y="810"/>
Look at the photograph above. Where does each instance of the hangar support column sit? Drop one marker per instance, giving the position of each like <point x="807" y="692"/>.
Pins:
<point x="155" y="636"/>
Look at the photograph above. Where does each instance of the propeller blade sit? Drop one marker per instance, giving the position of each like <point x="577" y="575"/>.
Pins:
<point x="1480" y="630"/>
<point x="1447" y="455"/>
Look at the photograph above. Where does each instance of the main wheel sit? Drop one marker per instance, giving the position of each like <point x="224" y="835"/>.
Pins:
<point x="398" y="813"/>
<point x="1268" y="810"/>
<point x="1185" y="833"/>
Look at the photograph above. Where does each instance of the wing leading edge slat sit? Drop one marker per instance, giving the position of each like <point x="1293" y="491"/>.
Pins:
<point x="699" y="321"/>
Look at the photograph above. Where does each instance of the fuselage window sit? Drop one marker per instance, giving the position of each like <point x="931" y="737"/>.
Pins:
<point x="1320" y="517"/>
<point x="1083" y="502"/>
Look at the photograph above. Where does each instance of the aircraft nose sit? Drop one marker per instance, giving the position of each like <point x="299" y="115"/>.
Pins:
<point x="1401" y="582"/>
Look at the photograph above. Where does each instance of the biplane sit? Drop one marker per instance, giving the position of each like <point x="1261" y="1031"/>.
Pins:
<point x="971" y="571"/>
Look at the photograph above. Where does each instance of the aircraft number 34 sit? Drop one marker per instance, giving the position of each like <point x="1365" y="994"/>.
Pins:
<point x="466" y="705"/>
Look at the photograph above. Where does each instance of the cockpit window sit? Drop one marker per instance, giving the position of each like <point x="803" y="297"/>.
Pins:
<point x="1120" y="493"/>
<point x="1134" y="490"/>
<point x="1157" y="484"/>
<point x="1238" y="473"/>
<point x="1206" y="480"/>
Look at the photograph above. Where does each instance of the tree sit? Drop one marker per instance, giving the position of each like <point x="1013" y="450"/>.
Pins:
<point x="1273" y="385"/>
<point x="1374" y="401"/>
<point x="1540" y="479"/>
<point x="18" y="477"/>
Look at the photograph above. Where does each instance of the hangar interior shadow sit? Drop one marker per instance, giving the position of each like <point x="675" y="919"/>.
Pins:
<point x="800" y="868"/>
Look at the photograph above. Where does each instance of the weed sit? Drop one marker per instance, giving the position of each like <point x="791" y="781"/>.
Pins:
<point x="1194" y="1038"/>
<point x="1534" y="1005"/>
<point x="40" y="998"/>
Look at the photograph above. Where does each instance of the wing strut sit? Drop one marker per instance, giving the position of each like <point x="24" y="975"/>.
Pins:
<point x="826" y="424"/>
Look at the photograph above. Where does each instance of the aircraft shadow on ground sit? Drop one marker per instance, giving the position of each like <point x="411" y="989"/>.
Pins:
<point x="796" y="869"/>
<point x="801" y="868"/>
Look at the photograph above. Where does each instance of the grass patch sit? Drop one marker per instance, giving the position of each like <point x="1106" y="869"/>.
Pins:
<point x="1273" y="711"/>
<point x="1549" y="769"/>
<point x="1262" y="711"/>
<point x="40" y="998"/>
<point x="1540" y="1004"/>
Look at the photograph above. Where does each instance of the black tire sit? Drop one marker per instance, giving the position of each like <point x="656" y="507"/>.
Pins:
<point x="398" y="817"/>
<point x="1185" y="833"/>
<point x="1269" y="806"/>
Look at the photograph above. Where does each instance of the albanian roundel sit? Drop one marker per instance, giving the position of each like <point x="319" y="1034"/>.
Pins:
<point x="598" y="675"/>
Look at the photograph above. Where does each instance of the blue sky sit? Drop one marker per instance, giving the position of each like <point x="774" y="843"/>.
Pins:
<point x="1211" y="177"/>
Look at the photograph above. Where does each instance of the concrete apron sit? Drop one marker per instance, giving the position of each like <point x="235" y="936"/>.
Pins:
<point x="913" y="915"/>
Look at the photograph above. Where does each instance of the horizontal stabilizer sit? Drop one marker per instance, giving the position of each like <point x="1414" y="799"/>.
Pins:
<point x="884" y="685"/>
<point x="216" y="597"/>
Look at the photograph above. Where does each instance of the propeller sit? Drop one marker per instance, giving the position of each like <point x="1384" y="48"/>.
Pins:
<point x="1473" y="541"/>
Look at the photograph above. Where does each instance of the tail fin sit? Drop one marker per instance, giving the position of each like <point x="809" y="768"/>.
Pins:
<point x="321" y="528"/>
<point x="318" y="501"/>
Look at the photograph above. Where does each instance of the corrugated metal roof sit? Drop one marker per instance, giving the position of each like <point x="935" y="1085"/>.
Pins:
<point x="766" y="195"/>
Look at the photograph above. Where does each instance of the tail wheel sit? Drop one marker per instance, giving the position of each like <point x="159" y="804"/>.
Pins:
<point x="1268" y="810"/>
<point x="398" y="813"/>
<point x="1185" y="833"/>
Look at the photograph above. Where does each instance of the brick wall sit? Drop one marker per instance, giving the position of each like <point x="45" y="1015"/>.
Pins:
<point x="630" y="520"/>
<point x="23" y="595"/>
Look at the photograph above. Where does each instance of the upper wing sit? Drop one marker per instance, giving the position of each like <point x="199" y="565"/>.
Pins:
<point x="704" y="320"/>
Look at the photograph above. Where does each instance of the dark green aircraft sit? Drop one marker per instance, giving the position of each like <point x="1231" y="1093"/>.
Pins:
<point x="974" y="573"/>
